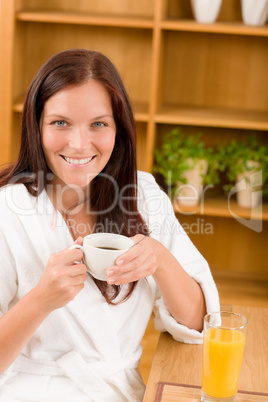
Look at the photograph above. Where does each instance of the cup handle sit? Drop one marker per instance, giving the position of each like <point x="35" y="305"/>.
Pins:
<point x="82" y="249"/>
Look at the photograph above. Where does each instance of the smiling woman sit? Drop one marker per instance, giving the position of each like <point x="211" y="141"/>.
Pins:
<point x="78" y="132"/>
<point x="77" y="108"/>
<point x="65" y="335"/>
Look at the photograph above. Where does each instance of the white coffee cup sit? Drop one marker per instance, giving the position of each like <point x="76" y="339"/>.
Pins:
<point x="101" y="251"/>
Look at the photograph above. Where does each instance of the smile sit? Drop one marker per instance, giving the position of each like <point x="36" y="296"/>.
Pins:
<point x="78" y="161"/>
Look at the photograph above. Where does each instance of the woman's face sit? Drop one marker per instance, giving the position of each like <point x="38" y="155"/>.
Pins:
<point x="78" y="133"/>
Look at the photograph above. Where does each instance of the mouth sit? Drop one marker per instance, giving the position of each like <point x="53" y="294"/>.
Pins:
<point x="78" y="162"/>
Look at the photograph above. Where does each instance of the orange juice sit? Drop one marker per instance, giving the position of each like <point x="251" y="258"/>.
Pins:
<point x="222" y="358"/>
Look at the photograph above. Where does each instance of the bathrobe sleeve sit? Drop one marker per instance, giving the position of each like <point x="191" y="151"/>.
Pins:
<point x="8" y="276"/>
<point x="156" y="209"/>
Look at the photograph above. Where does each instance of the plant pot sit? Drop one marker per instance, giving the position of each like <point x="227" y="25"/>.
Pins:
<point x="206" y="11"/>
<point x="254" y="12"/>
<point x="189" y="194"/>
<point x="248" y="184"/>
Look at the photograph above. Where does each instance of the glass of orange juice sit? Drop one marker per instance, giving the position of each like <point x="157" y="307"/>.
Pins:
<point x="223" y="345"/>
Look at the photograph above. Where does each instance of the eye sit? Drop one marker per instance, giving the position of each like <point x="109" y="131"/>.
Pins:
<point x="99" y="124"/>
<point x="59" y="123"/>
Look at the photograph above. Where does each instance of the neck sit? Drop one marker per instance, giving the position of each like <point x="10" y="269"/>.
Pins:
<point x="65" y="198"/>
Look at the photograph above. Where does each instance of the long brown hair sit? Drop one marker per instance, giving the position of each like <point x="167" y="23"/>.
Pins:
<point x="75" y="67"/>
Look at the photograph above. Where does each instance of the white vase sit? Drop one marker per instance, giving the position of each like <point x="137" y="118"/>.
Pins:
<point x="254" y="12"/>
<point x="248" y="186"/>
<point x="189" y="194"/>
<point x="206" y="11"/>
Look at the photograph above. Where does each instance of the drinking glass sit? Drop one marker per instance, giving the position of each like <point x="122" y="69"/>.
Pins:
<point x="223" y="345"/>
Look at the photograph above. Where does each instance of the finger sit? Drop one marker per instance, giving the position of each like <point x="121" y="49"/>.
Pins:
<point x="137" y="238"/>
<point x="78" y="288"/>
<point x="77" y="280"/>
<point x="74" y="290"/>
<point x="128" y="273"/>
<point x="127" y="262"/>
<point x="130" y="255"/>
<point x="75" y="270"/>
<point x="79" y="240"/>
<point x="66" y="257"/>
<point x="73" y="255"/>
<point x="140" y="265"/>
<point x="127" y="277"/>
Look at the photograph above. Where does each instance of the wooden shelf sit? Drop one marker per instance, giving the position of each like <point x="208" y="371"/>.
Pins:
<point x="141" y="110"/>
<point x="205" y="77"/>
<point x="219" y="207"/>
<point x="62" y="17"/>
<point x="213" y="117"/>
<point x="65" y="17"/>
<point x="18" y="104"/>
<point x="231" y="28"/>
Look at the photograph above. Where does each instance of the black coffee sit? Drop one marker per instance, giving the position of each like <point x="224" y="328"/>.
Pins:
<point x="109" y="248"/>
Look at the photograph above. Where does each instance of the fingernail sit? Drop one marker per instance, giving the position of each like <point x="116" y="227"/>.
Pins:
<point x="110" y="273"/>
<point x="120" y="262"/>
<point x="111" y="281"/>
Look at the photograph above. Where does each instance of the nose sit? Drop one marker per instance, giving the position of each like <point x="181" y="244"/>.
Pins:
<point x="80" y="139"/>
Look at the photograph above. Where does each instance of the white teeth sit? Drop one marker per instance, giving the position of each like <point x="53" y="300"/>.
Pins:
<point x="78" y="161"/>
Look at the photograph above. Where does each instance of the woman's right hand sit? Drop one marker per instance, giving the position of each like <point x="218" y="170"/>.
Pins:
<point x="62" y="279"/>
<point x="60" y="282"/>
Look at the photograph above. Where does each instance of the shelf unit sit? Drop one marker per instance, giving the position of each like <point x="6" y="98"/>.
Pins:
<point x="203" y="77"/>
<point x="221" y="207"/>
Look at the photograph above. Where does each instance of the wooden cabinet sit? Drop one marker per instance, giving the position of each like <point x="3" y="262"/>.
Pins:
<point x="33" y="31"/>
<point x="203" y="77"/>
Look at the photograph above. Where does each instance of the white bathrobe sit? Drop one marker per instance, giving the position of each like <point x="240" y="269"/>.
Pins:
<point x="87" y="350"/>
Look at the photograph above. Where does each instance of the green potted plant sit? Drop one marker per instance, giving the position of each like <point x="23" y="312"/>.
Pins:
<point x="186" y="165"/>
<point x="246" y="166"/>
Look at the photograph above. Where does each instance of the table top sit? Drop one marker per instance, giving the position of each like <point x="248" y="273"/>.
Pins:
<point x="180" y="363"/>
<point x="167" y="392"/>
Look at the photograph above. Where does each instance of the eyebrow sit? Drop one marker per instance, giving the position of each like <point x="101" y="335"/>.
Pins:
<point x="56" y="115"/>
<point x="105" y="115"/>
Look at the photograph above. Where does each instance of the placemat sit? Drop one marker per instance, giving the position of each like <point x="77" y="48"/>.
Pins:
<point x="171" y="392"/>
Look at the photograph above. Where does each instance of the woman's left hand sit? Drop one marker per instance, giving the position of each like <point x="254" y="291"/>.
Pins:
<point x="140" y="261"/>
<point x="183" y="296"/>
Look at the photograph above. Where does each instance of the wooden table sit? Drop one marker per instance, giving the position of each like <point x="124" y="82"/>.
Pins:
<point x="176" y="362"/>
